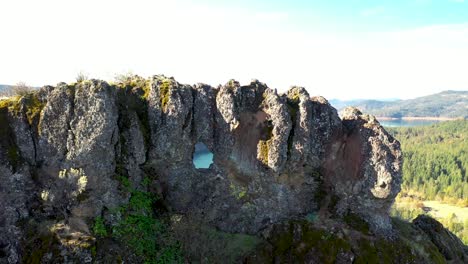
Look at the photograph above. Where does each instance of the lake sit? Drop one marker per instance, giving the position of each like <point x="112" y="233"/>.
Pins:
<point x="202" y="158"/>
<point x="407" y="123"/>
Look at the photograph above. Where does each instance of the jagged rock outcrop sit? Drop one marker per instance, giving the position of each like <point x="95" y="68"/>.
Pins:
<point x="448" y="244"/>
<point x="276" y="157"/>
<point x="365" y="169"/>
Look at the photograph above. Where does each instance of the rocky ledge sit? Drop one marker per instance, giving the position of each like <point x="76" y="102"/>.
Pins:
<point x="70" y="154"/>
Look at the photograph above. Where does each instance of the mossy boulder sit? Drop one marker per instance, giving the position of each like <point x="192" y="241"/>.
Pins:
<point x="329" y="241"/>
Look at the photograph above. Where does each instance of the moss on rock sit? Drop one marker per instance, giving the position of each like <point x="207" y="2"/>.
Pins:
<point x="306" y="242"/>
<point x="263" y="150"/>
<point x="164" y="92"/>
<point x="34" y="107"/>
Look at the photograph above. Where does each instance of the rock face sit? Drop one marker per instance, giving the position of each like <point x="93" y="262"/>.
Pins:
<point x="448" y="244"/>
<point x="276" y="156"/>
<point x="368" y="177"/>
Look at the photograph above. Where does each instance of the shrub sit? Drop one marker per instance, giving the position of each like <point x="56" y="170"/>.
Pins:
<point x="81" y="77"/>
<point x="143" y="232"/>
<point x="21" y="89"/>
<point x="99" y="228"/>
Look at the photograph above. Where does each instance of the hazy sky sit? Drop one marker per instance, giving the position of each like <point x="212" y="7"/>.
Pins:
<point x="338" y="49"/>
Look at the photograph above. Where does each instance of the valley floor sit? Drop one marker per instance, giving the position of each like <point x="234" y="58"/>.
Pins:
<point x="442" y="210"/>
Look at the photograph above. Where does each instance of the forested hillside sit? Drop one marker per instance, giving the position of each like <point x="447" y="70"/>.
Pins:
<point x="435" y="160"/>
<point x="447" y="104"/>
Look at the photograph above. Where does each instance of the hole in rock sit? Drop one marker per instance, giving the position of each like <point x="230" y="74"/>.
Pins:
<point x="383" y="185"/>
<point x="202" y="157"/>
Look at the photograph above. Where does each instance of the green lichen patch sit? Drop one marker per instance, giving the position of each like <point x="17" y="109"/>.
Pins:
<point x="134" y="82"/>
<point x="294" y="96"/>
<point x="232" y="84"/>
<point x="164" y="92"/>
<point x="34" y="107"/>
<point x="263" y="150"/>
<point x="264" y="143"/>
<point x="238" y="191"/>
<point x="9" y="102"/>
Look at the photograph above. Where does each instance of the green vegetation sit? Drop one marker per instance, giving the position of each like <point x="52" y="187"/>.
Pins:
<point x="294" y="96"/>
<point x="32" y="104"/>
<point x="34" y="107"/>
<point x="134" y="81"/>
<point x="10" y="104"/>
<point x="141" y="229"/>
<point x="164" y="92"/>
<point x="263" y="151"/>
<point x="406" y="211"/>
<point x="409" y="209"/>
<point x="232" y="84"/>
<point x="434" y="168"/>
<point x="305" y="242"/>
<point x="435" y="161"/>
<point x="460" y="229"/>
<point x="99" y="228"/>
<point x="327" y="245"/>
<point x="238" y="191"/>
<point x="204" y="244"/>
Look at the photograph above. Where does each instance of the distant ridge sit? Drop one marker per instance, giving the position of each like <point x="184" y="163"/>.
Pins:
<point x="3" y="87"/>
<point x="446" y="104"/>
<point x="3" y="90"/>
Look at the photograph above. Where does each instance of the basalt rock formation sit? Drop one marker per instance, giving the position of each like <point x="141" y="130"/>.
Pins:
<point x="64" y="151"/>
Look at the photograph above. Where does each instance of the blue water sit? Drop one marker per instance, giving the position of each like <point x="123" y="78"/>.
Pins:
<point x="407" y="123"/>
<point x="202" y="157"/>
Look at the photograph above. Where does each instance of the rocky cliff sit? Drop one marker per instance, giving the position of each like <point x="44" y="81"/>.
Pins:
<point x="75" y="157"/>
